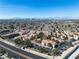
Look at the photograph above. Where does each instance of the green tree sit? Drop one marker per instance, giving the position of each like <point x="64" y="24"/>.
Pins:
<point x="27" y="43"/>
<point x="54" y="52"/>
<point x="49" y="37"/>
<point x="18" y="41"/>
<point x="32" y="38"/>
<point x="49" y="45"/>
<point x="2" y="51"/>
<point x="40" y="35"/>
<point x="42" y="50"/>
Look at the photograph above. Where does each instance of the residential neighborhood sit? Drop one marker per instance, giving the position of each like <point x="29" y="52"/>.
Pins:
<point x="51" y="39"/>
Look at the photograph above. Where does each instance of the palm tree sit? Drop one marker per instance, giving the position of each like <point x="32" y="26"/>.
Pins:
<point x="54" y="52"/>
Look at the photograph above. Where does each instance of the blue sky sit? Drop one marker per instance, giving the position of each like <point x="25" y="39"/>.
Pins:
<point x="38" y="8"/>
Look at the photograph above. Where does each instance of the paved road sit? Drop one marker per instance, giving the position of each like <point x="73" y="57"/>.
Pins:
<point x="74" y="55"/>
<point x="18" y="52"/>
<point x="71" y="55"/>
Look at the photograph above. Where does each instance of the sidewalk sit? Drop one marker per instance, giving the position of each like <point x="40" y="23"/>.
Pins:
<point x="65" y="53"/>
<point x="5" y="41"/>
<point x="38" y="53"/>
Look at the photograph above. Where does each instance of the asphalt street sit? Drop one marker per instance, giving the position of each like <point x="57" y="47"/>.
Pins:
<point x="18" y="52"/>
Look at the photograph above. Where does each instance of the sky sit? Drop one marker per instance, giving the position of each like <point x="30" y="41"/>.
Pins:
<point x="39" y="8"/>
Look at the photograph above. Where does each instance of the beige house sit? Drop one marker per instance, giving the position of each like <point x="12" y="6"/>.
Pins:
<point x="46" y="42"/>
